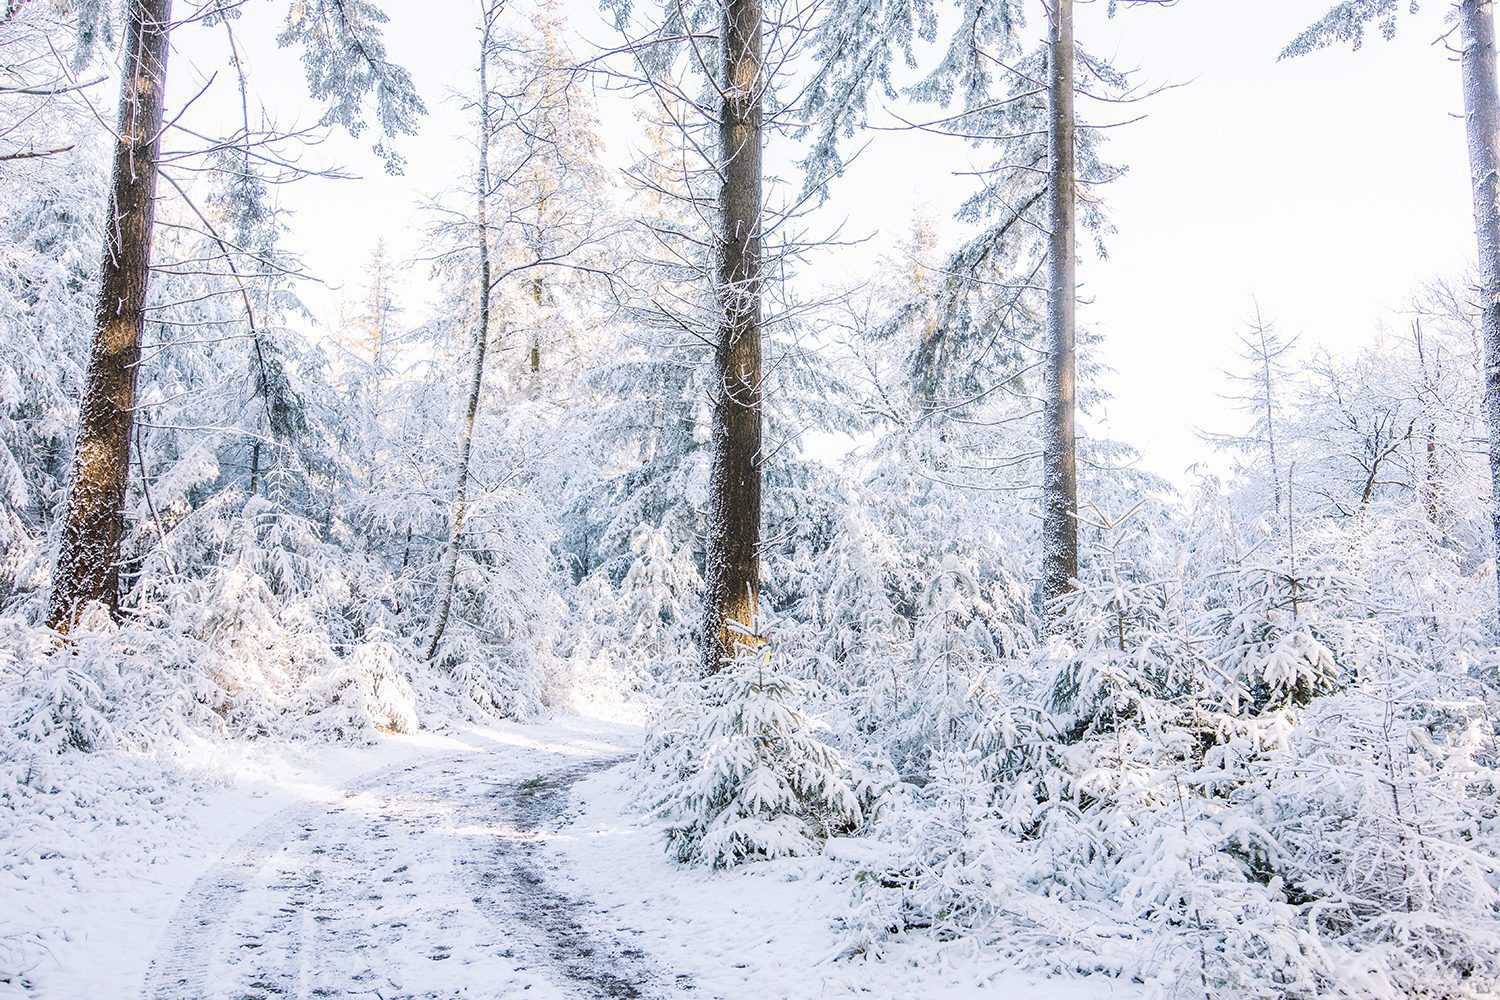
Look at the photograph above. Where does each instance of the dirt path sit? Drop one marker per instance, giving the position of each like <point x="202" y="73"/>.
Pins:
<point x="424" y="881"/>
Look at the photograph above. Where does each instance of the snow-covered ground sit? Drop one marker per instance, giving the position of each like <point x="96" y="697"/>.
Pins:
<point x="765" y="930"/>
<point x="491" y="862"/>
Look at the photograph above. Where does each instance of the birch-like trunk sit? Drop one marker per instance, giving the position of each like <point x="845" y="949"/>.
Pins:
<point x="732" y="571"/>
<point x="88" y="558"/>
<point x="448" y="570"/>
<point x="1059" y="459"/>
<point x="1482" y="115"/>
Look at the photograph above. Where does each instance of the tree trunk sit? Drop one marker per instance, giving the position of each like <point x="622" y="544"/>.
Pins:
<point x="1427" y="397"/>
<point x="1059" y="459"/>
<point x="1482" y="116"/>
<point x="732" y="577"/>
<point x="536" y="343"/>
<point x="449" y="568"/>
<point x="1269" y="405"/>
<point x="88" y="559"/>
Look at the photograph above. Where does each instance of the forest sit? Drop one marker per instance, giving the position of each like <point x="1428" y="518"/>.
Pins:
<point x="655" y="563"/>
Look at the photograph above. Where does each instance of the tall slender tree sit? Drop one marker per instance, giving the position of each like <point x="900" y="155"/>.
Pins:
<point x="484" y="292"/>
<point x="1476" y="19"/>
<point x="1264" y="373"/>
<point x="732" y="578"/>
<point x="1007" y="306"/>
<point x="533" y="229"/>
<point x="552" y="173"/>
<point x="88" y="561"/>
<point x="730" y="76"/>
<point x="1059" y="455"/>
<point x="1346" y="23"/>
<point x="345" y="60"/>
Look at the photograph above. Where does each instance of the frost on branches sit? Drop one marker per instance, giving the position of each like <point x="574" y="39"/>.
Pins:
<point x="1253" y="754"/>
<point x="739" y="771"/>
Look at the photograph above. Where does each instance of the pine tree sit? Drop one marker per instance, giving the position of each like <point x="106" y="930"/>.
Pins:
<point x="727" y="112"/>
<point x="345" y="61"/>
<point x="1476" y="20"/>
<point x="48" y="286"/>
<point x="994" y="331"/>
<point x="1266" y="375"/>
<point x="371" y="342"/>
<point x="552" y="175"/>
<point x="737" y="768"/>
<point x="1346" y="23"/>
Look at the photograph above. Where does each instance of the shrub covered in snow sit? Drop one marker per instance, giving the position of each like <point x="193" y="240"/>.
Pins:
<point x="739" y="770"/>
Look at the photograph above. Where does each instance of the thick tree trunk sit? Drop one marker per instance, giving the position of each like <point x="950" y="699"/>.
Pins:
<point x="448" y="571"/>
<point x="1482" y="114"/>
<point x="88" y="560"/>
<point x="1059" y="459"/>
<point x="732" y="578"/>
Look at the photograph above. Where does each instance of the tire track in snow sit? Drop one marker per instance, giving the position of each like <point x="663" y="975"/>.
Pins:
<point x="511" y="888"/>
<point x="181" y="967"/>
<point x="381" y="876"/>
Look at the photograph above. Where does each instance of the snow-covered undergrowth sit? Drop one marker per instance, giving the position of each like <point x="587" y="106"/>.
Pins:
<point x="1253" y="753"/>
<point x="767" y="929"/>
<point x="63" y="821"/>
<point x="741" y="772"/>
<point x="1268" y="777"/>
<point x="106" y="744"/>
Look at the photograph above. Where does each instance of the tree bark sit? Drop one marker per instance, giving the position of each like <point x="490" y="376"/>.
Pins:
<point x="536" y="343"/>
<point x="732" y="571"/>
<point x="1059" y="458"/>
<point x="88" y="559"/>
<point x="1482" y="117"/>
<point x="1427" y="398"/>
<point x="449" y="568"/>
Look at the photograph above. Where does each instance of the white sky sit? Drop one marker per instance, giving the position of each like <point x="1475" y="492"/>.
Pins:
<point x="1329" y="187"/>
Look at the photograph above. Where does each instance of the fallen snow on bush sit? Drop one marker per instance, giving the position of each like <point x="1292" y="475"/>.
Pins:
<point x="771" y="929"/>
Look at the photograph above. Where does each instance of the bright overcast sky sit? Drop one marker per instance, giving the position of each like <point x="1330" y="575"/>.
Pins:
<point x="1328" y="187"/>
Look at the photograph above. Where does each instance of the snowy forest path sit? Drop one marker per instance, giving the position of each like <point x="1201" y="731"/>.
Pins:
<point x="425" y="879"/>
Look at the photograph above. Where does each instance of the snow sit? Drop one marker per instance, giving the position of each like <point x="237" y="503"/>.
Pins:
<point x="99" y="896"/>
<point x="406" y="868"/>
<point x="766" y="930"/>
<point x="1256" y="758"/>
